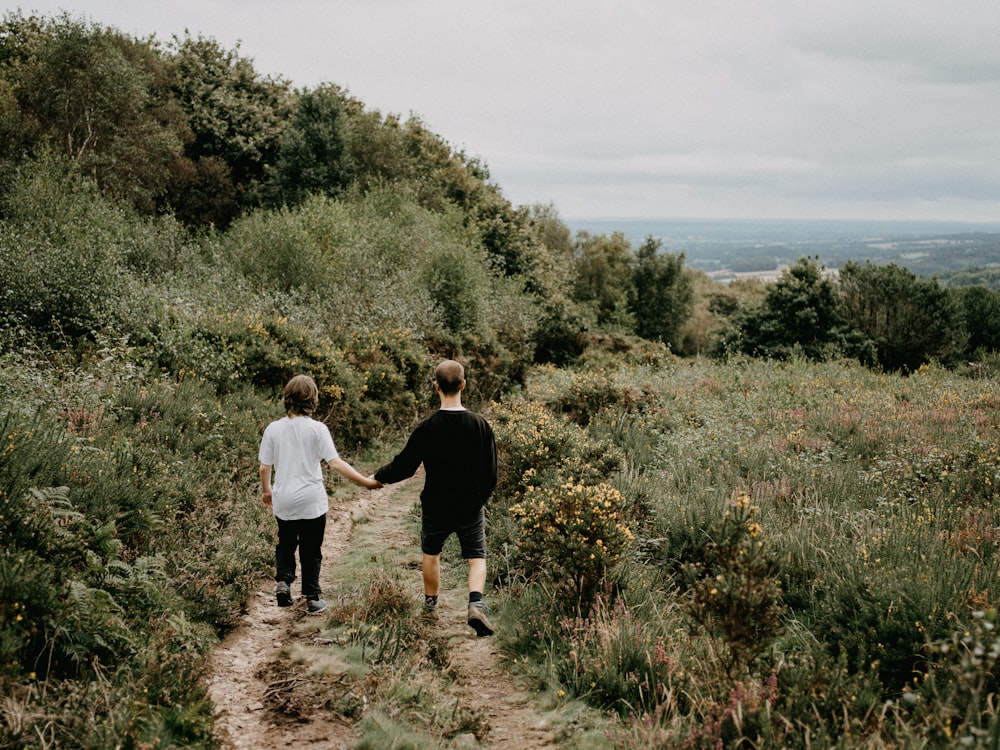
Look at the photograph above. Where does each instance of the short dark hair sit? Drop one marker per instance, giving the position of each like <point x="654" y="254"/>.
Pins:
<point x="301" y="395"/>
<point x="449" y="375"/>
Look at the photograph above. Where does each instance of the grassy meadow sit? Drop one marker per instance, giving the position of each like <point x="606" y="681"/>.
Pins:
<point x="719" y="553"/>
<point x="811" y="558"/>
<point x="701" y="551"/>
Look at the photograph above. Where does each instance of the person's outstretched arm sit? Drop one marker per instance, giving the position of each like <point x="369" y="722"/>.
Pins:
<point x="347" y="471"/>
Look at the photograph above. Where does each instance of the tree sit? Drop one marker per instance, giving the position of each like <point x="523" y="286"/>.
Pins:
<point x="799" y="314"/>
<point x="662" y="294"/>
<point x="312" y="158"/>
<point x="558" y="336"/>
<point x="96" y="97"/>
<point x="981" y="311"/>
<point x="603" y="279"/>
<point x="236" y="120"/>
<point x="910" y="321"/>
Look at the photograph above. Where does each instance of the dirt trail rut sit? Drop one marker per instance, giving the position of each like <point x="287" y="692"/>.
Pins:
<point x="250" y="677"/>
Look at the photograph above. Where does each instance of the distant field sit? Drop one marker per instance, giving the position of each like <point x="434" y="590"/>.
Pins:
<point x="730" y="248"/>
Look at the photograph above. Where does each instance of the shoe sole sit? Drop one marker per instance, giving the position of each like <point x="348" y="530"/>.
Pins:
<point x="480" y="625"/>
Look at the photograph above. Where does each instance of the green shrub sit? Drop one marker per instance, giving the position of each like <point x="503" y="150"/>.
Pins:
<point x="583" y="395"/>
<point x="31" y="589"/>
<point x="67" y="256"/>
<point x="731" y="589"/>
<point x="572" y="534"/>
<point x="539" y="448"/>
<point x="621" y="659"/>
<point x="953" y="702"/>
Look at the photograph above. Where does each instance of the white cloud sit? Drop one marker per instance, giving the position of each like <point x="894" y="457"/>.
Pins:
<point x="777" y="108"/>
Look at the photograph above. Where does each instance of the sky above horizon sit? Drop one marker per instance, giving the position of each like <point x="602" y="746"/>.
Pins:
<point x="859" y="109"/>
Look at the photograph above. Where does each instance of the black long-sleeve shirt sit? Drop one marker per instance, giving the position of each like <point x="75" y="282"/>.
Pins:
<point x="459" y="454"/>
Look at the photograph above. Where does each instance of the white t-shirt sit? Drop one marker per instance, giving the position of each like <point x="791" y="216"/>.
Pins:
<point x="294" y="446"/>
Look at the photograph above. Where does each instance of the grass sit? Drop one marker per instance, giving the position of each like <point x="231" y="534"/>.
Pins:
<point x="872" y="537"/>
<point x="850" y="515"/>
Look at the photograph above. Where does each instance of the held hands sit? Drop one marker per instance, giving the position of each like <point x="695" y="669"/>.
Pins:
<point x="266" y="498"/>
<point x="372" y="483"/>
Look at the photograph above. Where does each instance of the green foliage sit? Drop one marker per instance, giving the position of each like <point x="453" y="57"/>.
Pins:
<point x="32" y="590"/>
<point x="952" y="702"/>
<point x="910" y="321"/>
<point x="58" y="255"/>
<point x="731" y="588"/>
<point x="138" y="365"/>
<point x="981" y="311"/>
<point x="621" y="659"/>
<point x="662" y="295"/>
<point x="603" y="279"/>
<point x="799" y="315"/>
<point x="236" y="119"/>
<point x="96" y="97"/>
<point x="311" y="157"/>
<point x="572" y="535"/>
<point x="540" y="448"/>
<point x="459" y="286"/>
<point x="582" y="395"/>
<point x="281" y="250"/>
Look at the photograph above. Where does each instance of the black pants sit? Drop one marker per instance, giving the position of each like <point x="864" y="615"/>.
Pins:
<point x="307" y="536"/>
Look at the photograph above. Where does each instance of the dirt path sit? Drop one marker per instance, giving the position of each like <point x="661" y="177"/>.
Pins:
<point x="264" y="701"/>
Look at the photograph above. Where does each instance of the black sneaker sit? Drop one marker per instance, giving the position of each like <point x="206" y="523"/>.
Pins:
<point x="283" y="593"/>
<point x="478" y="619"/>
<point x="315" y="606"/>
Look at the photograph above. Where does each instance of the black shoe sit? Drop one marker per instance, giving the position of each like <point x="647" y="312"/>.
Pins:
<point x="478" y="619"/>
<point x="283" y="593"/>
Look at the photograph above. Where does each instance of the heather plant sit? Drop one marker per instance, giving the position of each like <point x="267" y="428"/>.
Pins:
<point x="582" y="395"/>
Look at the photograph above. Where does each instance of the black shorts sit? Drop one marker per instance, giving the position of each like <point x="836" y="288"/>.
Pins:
<point x="471" y="535"/>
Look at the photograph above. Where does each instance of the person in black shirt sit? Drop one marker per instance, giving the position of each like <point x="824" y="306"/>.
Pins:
<point x="458" y="451"/>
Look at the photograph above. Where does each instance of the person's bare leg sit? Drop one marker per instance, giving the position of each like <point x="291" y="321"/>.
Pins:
<point x="431" y="570"/>
<point x="478" y="620"/>
<point x="477" y="574"/>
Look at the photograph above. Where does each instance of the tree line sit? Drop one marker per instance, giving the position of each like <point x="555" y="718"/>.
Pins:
<point x="190" y="132"/>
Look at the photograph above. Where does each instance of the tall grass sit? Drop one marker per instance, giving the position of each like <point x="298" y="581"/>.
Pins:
<point x="812" y="532"/>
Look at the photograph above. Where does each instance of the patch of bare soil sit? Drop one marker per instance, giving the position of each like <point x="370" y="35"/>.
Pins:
<point x="265" y="701"/>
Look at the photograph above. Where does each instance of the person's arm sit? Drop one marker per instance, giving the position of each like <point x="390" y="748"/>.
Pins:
<point x="265" y="484"/>
<point x="406" y="462"/>
<point x="347" y="471"/>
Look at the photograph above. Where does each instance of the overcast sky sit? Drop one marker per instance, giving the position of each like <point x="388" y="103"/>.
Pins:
<point x="873" y="109"/>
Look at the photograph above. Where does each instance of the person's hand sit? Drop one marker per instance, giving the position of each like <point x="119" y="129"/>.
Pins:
<point x="266" y="498"/>
<point x="373" y="483"/>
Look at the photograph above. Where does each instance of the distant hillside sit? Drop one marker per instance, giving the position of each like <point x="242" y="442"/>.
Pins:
<point x="741" y="246"/>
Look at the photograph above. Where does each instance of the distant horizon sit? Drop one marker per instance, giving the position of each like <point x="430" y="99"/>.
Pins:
<point x="760" y="219"/>
<point x="693" y="229"/>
